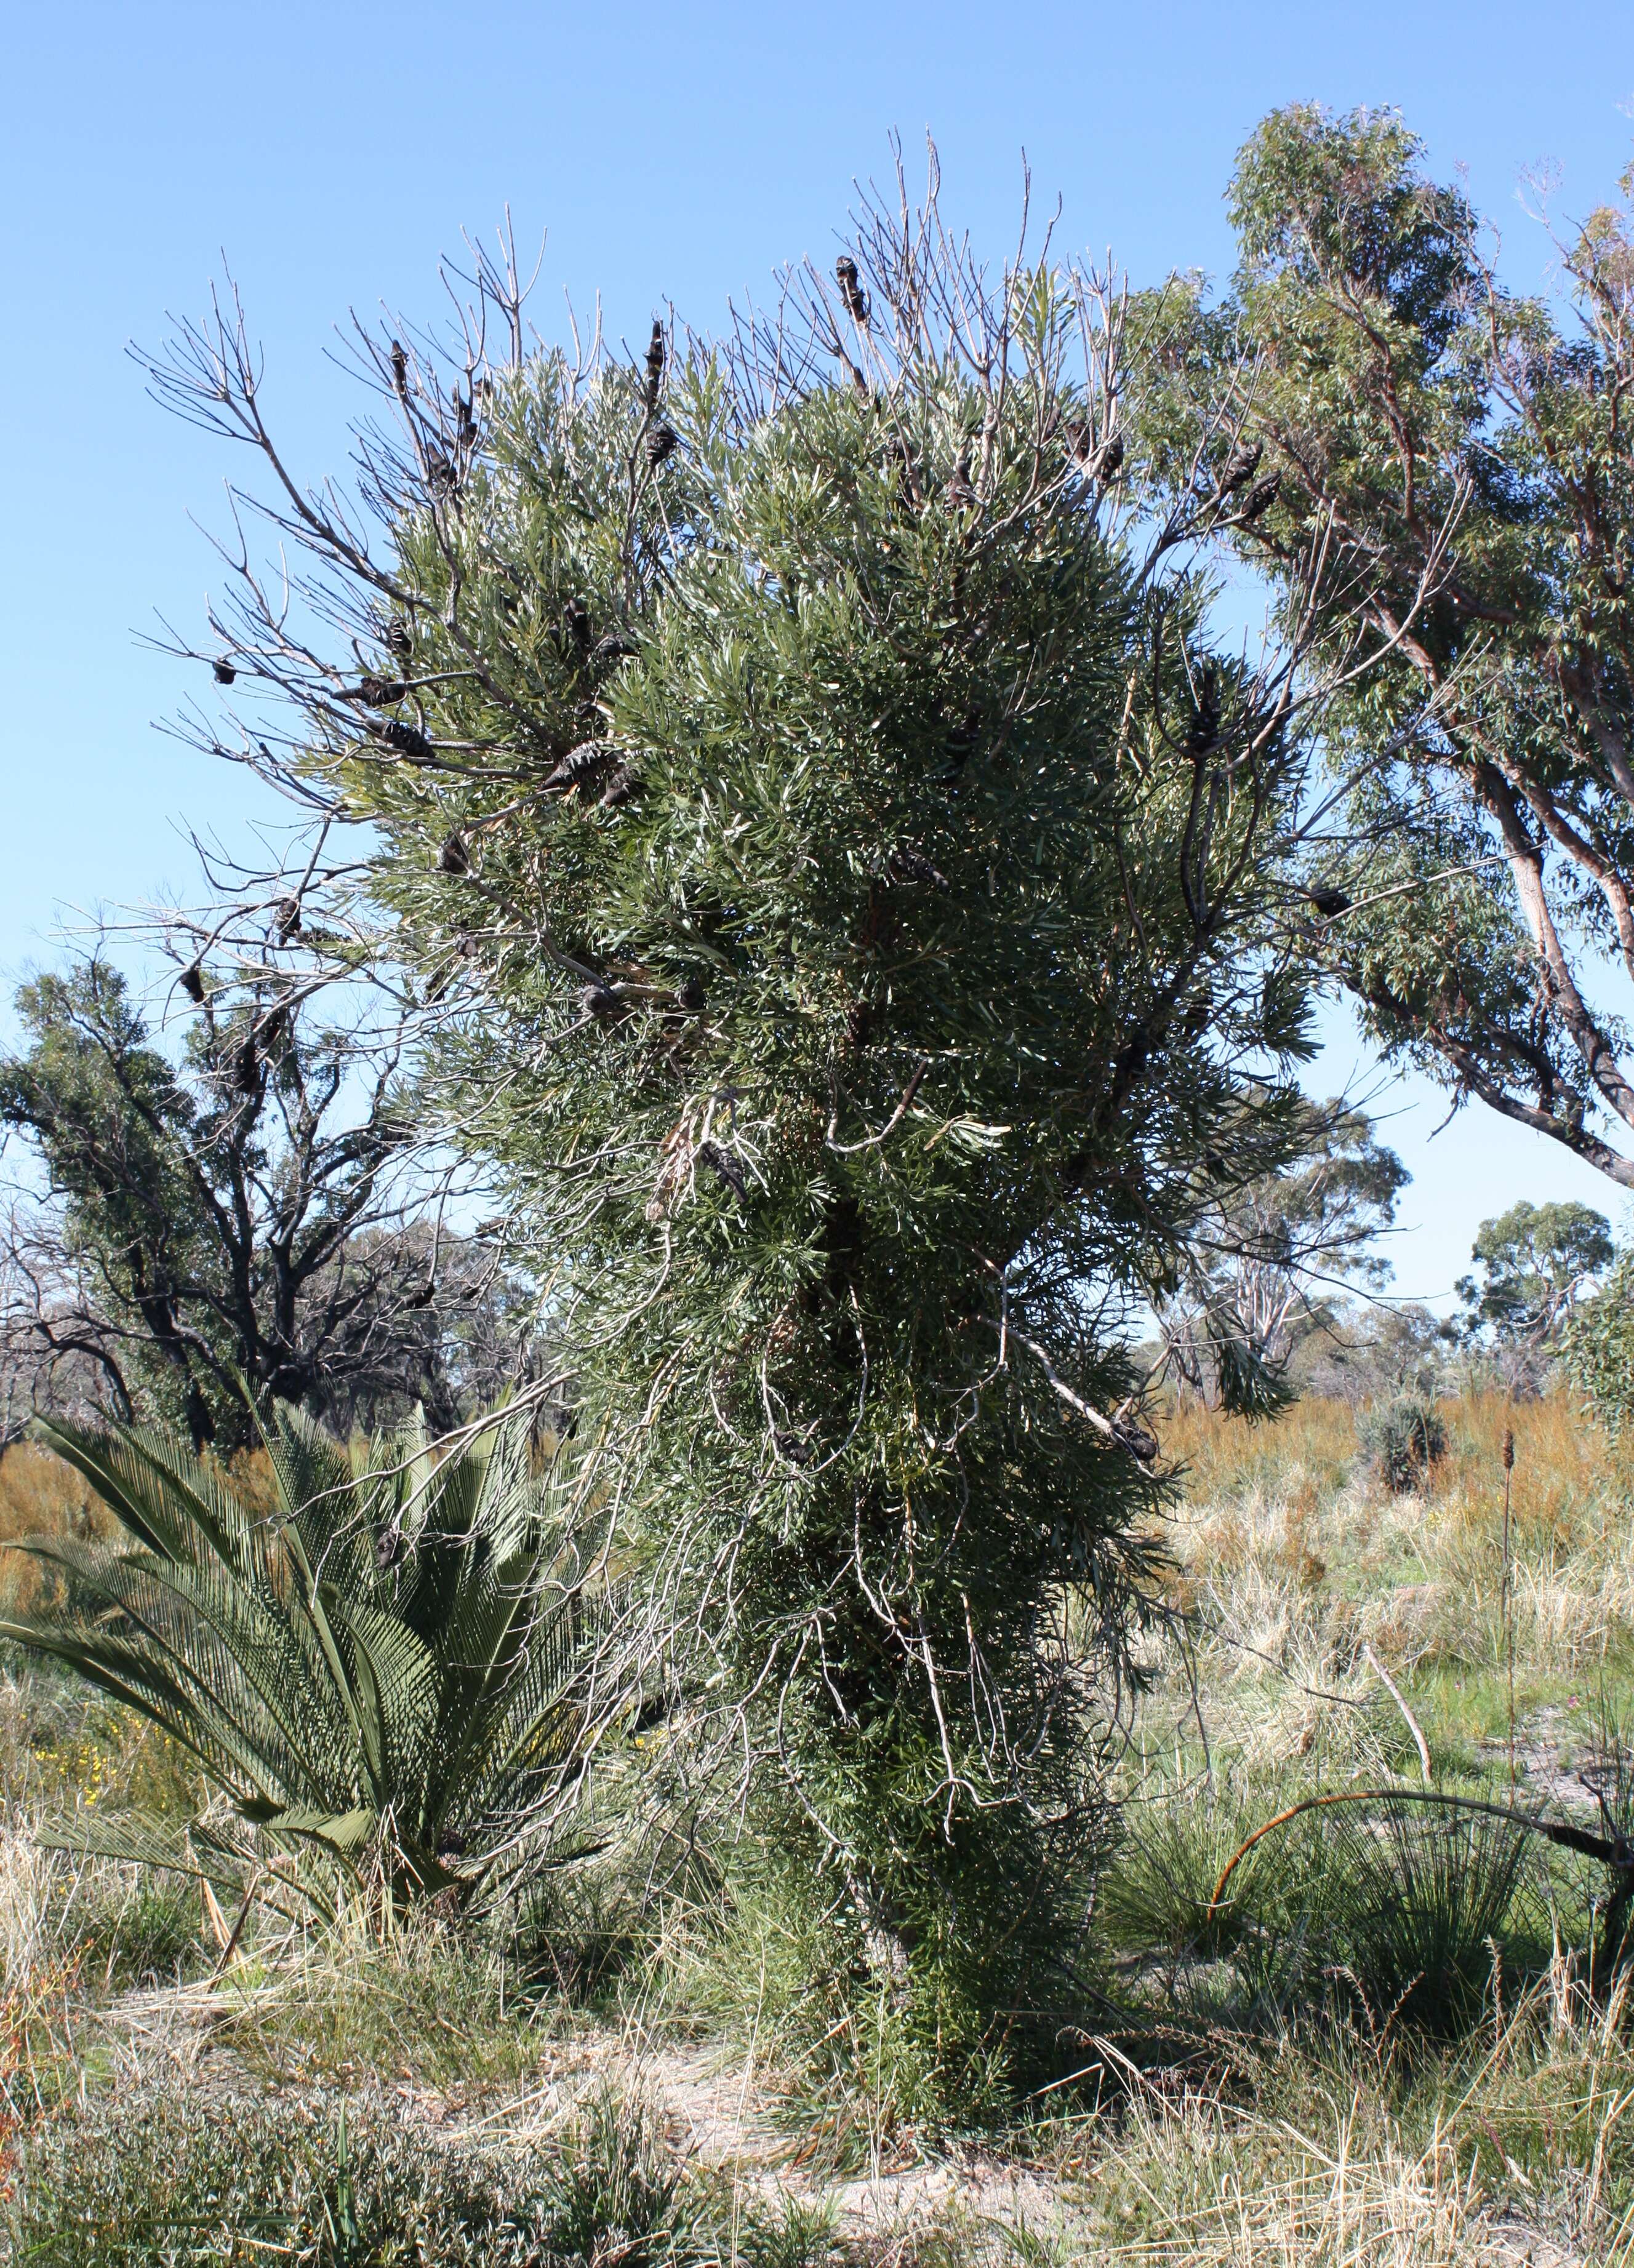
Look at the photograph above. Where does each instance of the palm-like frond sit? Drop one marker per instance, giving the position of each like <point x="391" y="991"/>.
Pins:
<point x="389" y="1664"/>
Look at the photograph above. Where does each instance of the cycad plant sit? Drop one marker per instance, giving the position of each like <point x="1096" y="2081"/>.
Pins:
<point x="387" y="1668"/>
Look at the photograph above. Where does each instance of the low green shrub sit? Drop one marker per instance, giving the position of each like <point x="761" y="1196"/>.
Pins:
<point x="616" y="2193"/>
<point x="158" y="2179"/>
<point x="144" y="1929"/>
<point x="154" y="2180"/>
<point x="1401" y="1440"/>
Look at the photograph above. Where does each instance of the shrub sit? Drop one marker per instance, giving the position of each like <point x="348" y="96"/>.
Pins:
<point x="385" y="1671"/>
<point x="883" y="817"/>
<point x="151" y="2181"/>
<point x="1597" y="1349"/>
<point x="154" y="2180"/>
<point x="1423" y="1903"/>
<point x="1402" y="1439"/>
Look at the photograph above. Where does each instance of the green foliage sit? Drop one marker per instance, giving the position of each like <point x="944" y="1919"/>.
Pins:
<point x="1466" y="448"/>
<point x="851" y="889"/>
<point x="230" y="1222"/>
<point x="616" y="2188"/>
<point x="152" y="2179"/>
<point x="1258" y="1279"/>
<point x="114" y="1125"/>
<point x="1402" y="1439"/>
<point x="1396" y="1913"/>
<point x="1597" y="1345"/>
<point x="383" y="1671"/>
<point x="1535" y="1261"/>
<point x="1423" y="1903"/>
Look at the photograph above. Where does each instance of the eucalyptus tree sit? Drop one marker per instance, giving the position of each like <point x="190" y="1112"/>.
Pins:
<point x="1372" y="377"/>
<point x="844" y="888"/>
<point x="1265" y="1266"/>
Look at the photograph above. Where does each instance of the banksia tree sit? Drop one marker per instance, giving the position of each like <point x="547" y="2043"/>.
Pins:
<point x="862" y="958"/>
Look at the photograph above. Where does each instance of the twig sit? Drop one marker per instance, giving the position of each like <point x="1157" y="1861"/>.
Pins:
<point x="1394" y="1692"/>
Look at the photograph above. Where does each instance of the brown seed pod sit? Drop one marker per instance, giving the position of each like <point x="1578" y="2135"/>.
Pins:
<point x="907" y="865"/>
<point x="1259" y="498"/>
<point x="1329" y="900"/>
<point x="1241" y="467"/>
<point x="851" y="289"/>
<point x="586" y="767"/>
<point x="654" y="367"/>
<point x="725" y="1167"/>
<point x="602" y="1002"/>
<point x="406" y="740"/>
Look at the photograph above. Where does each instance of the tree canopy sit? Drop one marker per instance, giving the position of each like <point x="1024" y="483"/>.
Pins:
<point x="231" y="1229"/>
<point x="1464" y="453"/>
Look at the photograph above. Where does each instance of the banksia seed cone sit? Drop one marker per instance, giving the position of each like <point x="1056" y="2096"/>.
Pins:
<point x="399" y="368"/>
<point x="654" y="367"/>
<point x="1259" y="498"/>
<point x="602" y="1002"/>
<point x="586" y="766"/>
<point x="851" y="289"/>
<point x="1241" y="467"/>
<point x="907" y="864"/>
<point x="406" y="740"/>
<point x="725" y="1167"/>
<point x="1206" y="722"/>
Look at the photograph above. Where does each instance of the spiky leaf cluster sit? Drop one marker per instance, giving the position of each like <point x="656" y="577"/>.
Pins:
<point x="382" y="1668"/>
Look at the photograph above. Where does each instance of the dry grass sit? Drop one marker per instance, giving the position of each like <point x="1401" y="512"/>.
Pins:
<point x="1284" y="1545"/>
<point x="40" y="1496"/>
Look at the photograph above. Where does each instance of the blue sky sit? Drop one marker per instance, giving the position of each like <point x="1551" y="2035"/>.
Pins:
<point x="673" y="153"/>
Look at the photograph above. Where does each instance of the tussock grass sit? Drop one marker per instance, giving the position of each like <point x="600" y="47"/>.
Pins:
<point x="430" y="2002"/>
